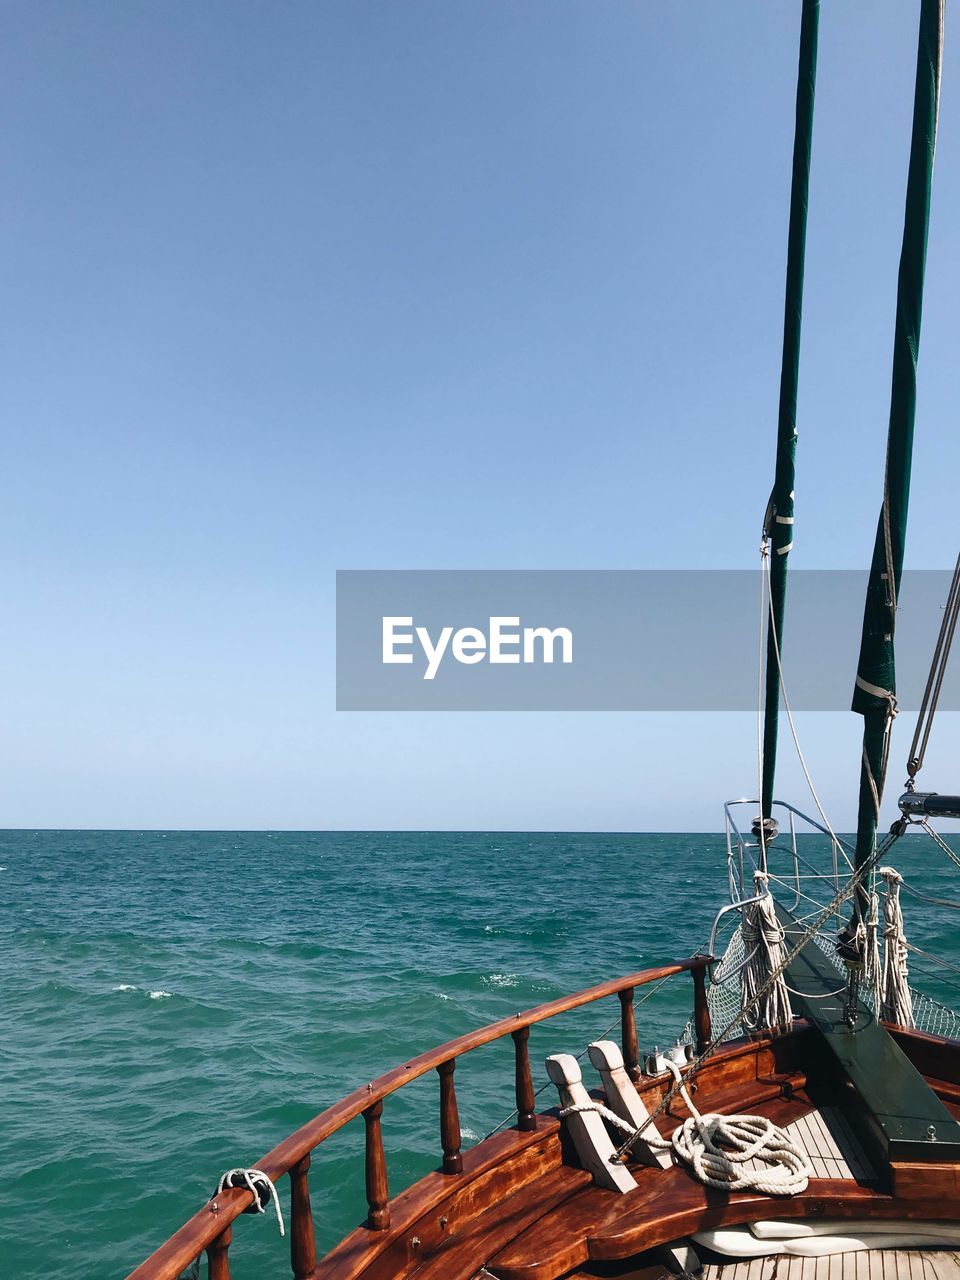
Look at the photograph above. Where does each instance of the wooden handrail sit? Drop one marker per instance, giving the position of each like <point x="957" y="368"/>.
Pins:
<point x="209" y="1226"/>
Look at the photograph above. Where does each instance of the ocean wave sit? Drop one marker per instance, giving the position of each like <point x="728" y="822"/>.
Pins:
<point x="126" y="986"/>
<point x="159" y="995"/>
<point x="501" y="980"/>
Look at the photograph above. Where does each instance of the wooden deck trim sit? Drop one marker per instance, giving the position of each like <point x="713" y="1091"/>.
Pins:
<point x="529" y="1155"/>
<point x="593" y="1228"/>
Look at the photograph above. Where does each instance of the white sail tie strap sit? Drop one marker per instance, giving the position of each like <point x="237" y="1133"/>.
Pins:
<point x="259" y="1186"/>
<point x="897" y="1004"/>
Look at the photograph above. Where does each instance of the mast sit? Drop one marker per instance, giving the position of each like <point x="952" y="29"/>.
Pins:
<point x="778" y="520"/>
<point x="874" y="695"/>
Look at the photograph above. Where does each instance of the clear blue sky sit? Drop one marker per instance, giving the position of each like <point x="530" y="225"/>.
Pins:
<point x="292" y="287"/>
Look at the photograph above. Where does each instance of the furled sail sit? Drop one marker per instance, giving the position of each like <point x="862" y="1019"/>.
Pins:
<point x="778" y="521"/>
<point x="876" y="686"/>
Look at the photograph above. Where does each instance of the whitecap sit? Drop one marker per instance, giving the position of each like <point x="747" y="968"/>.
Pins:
<point x="441" y="996"/>
<point x="502" y="980"/>
<point x="125" y="986"/>
<point x="159" y="995"/>
<point x="468" y="1134"/>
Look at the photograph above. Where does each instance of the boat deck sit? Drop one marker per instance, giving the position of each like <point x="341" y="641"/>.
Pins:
<point x="518" y="1205"/>
<point x="888" y="1264"/>
<point x="830" y="1145"/>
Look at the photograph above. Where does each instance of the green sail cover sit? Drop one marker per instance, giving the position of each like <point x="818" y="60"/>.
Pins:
<point x="876" y="686"/>
<point x="778" y="522"/>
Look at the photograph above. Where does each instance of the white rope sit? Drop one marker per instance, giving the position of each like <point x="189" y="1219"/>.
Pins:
<point x="897" y="1003"/>
<point x="718" y="1148"/>
<point x="259" y="1186"/>
<point x="832" y="907"/>
<point x="872" y="971"/>
<point x="611" y="1117"/>
<point x="764" y="594"/>
<point x="763" y="937"/>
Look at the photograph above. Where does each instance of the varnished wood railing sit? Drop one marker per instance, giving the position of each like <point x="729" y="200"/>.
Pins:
<point x="210" y="1229"/>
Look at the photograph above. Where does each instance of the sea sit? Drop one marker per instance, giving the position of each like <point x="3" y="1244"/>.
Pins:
<point x="172" y="1004"/>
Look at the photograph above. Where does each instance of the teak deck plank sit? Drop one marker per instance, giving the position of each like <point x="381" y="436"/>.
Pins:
<point x="873" y="1264"/>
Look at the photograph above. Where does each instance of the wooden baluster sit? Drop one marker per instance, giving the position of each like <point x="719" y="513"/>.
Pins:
<point x="628" y="1035"/>
<point x="701" y="1009"/>
<point x="218" y="1264"/>
<point x="449" y="1119"/>
<point x="303" y="1249"/>
<point x="378" y="1193"/>
<point x="526" y="1099"/>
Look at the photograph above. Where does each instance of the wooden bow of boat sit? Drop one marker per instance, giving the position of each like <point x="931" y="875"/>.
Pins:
<point x="518" y="1206"/>
<point x="520" y="1149"/>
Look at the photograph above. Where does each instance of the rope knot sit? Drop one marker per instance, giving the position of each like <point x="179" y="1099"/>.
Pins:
<point x="259" y="1186"/>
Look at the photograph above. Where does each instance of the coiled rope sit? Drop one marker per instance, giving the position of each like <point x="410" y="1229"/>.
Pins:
<point x="718" y="1148"/>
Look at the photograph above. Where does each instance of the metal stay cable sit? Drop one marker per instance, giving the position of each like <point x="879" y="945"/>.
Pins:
<point x="938" y="666"/>
<point x="925" y="897"/>
<point x="938" y="839"/>
<point x="838" y="843"/>
<point x="937" y="960"/>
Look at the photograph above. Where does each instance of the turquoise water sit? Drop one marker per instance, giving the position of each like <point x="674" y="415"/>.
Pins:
<point x="175" y="1003"/>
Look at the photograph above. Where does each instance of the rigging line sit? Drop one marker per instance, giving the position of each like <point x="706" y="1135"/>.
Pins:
<point x="936" y="902"/>
<point x="896" y="831"/>
<point x="800" y="756"/>
<point x="764" y="571"/>
<point x="789" y="887"/>
<point x="583" y="1053"/>
<point x="789" y="882"/>
<point x="827" y="995"/>
<point x="937" y="960"/>
<point x="938" y="839"/>
<point x="938" y="666"/>
<point x="926" y="976"/>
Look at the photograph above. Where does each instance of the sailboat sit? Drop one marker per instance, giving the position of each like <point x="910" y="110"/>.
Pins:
<point x="806" y="1123"/>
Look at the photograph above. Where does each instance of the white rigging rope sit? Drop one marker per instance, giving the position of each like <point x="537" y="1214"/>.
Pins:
<point x="831" y="908"/>
<point x="897" y="1003"/>
<point x="764" y="610"/>
<point x="765" y="1002"/>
